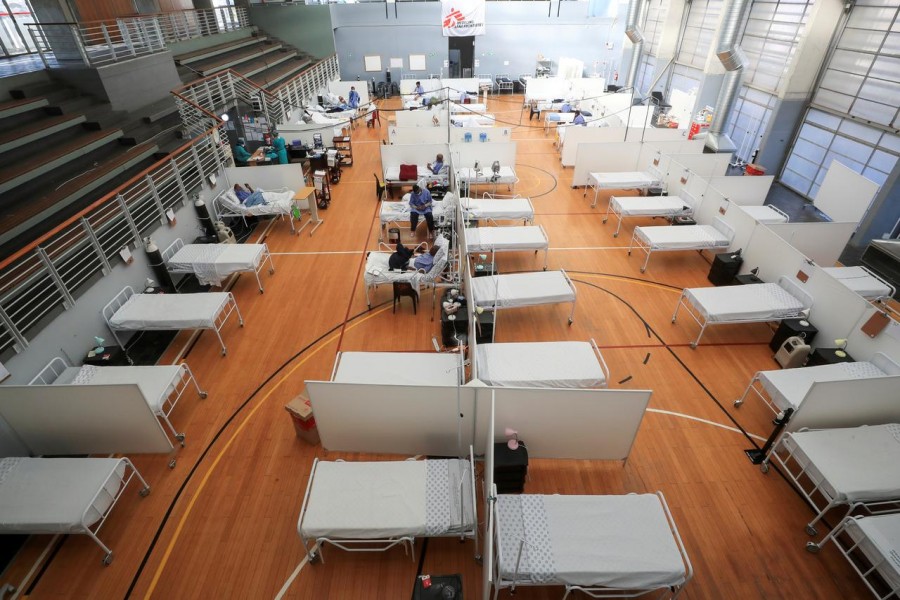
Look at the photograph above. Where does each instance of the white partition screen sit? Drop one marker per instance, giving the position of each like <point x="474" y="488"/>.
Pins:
<point x="821" y="242"/>
<point x="417" y="135"/>
<point x="743" y="190"/>
<point x="845" y="195"/>
<point x="484" y="153"/>
<point x="83" y="419"/>
<point x="605" y="157"/>
<point x="849" y="403"/>
<point x="422" y="118"/>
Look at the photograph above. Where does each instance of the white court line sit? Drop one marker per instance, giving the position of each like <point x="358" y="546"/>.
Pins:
<point x="593" y="248"/>
<point x="684" y="416"/>
<point x="290" y="580"/>
<point x="316" y="253"/>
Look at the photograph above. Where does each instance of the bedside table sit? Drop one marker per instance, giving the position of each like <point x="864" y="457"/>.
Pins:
<point x="510" y="468"/>
<point x="112" y="356"/>
<point x="746" y="279"/>
<point x="436" y="590"/>
<point x="791" y="327"/>
<point x="827" y="356"/>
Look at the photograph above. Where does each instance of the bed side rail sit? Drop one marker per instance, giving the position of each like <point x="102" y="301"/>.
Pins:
<point x="310" y="552"/>
<point x="881" y="279"/>
<point x="688" y="567"/>
<point x="50" y="372"/>
<point x="172" y="248"/>
<point x="780" y="212"/>
<point x="95" y="508"/>
<point x="602" y="362"/>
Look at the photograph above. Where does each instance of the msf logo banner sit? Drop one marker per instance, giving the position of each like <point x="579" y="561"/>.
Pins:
<point x="462" y="17"/>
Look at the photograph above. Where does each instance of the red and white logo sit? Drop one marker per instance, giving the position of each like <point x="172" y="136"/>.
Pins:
<point x="454" y="17"/>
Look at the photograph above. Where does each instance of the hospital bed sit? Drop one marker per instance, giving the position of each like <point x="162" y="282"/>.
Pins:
<point x="398" y="368"/>
<point x="161" y="385"/>
<point x="645" y="207"/>
<point x="517" y="290"/>
<point x="485" y="82"/>
<point x="767" y="214"/>
<point x="423" y="173"/>
<point x="507" y="239"/>
<point x="455" y="107"/>
<point x="374" y="506"/>
<point x="468" y="176"/>
<point x="63" y="495"/>
<point x="392" y="213"/>
<point x="856" y="467"/>
<point x="472" y="120"/>
<point x="504" y="83"/>
<point x="862" y="281"/>
<point x="623" y="180"/>
<point x="542" y="365"/>
<point x="667" y="238"/>
<point x="754" y="303"/>
<point x="498" y="208"/>
<point x="785" y="388"/>
<point x="212" y="263"/>
<point x="377" y="271"/>
<point x="605" y="546"/>
<point x="128" y="311"/>
<point x="872" y="546"/>
<point x="336" y="124"/>
<point x="556" y="118"/>
<point x="279" y="203"/>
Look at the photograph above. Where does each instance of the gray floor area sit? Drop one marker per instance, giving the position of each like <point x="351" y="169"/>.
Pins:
<point x="26" y="63"/>
<point x="798" y="208"/>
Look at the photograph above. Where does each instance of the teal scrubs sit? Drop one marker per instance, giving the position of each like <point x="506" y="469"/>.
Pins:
<point x="280" y="150"/>
<point x="241" y="155"/>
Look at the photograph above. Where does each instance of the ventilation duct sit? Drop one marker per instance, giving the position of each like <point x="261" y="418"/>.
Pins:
<point x="637" y="40"/>
<point x="733" y="59"/>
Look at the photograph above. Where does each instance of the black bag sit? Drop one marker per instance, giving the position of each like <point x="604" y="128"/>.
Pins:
<point x="399" y="260"/>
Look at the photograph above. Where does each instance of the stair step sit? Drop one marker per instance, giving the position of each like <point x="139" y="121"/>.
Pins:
<point x="256" y="67"/>
<point x="69" y="105"/>
<point x="25" y="215"/>
<point x="285" y="71"/>
<point x="22" y="105"/>
<point x="101" y="116"/>
<point x="226" y="61"/>
<point x="143" y="132"/>
<point x="160" y="110"/>
<point x="37" y="130"/>
<point x="34" y="90"/>
<point x="198" y="55"/>
<point x="36" y="165"/>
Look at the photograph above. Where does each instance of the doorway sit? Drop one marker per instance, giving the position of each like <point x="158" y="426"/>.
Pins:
<point x="462" y="56"/>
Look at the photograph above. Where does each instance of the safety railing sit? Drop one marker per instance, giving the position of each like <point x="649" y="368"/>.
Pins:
<point x="183" y="25"/>
<point x="43" y="279"/>
<point x="97" y="43"/>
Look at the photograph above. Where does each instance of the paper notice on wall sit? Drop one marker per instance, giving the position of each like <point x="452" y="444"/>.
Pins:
<point x="461" y="18"/>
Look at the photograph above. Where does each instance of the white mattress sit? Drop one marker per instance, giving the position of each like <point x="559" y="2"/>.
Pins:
<point x="788" y="387"/>
<point x="486" y="239"/>
<point x="376" y="500"/>
<point x="506" y="175"/>
<point x="472" y="120"/>
<point x="624" y="180"/>
<point x="51" y="495"/>
<point x="277" y="203"/>
<point x="392" y="175"/>
<point x="224" y="259"/>
<point x="155" y="382"/>
<point x="860" y="281"/>
<point x="540" y="364"/>
<point x="879" y="539"/>
<point x="169" y="311"/>
<point x="559" y="118"/>
<point x="498" y="209"/>
<point x="521" y="289"/>
<point x="686" y="237"/>
<point x="612" y="541"/>
<point x="393" y="212"/>
<point x="455" y="107"/>
<point x="398" y="368"/>
<point x="764" y="214"/>
<point x="855" y="464"/>
<point x="754" y="302"/>
<point x="649" y="206"/>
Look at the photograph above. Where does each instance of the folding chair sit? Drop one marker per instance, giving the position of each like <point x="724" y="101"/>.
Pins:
<point x="379" y="188"/>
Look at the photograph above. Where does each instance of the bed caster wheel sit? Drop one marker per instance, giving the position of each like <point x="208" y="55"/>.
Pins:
<point x="180" y="438"/>
<point x="144" y="492"/>
<point x="571" y="320"/>
<point x="673" y="319"/>
<point x="204" y="395"/>
<point x="479" y="559"/>
<point x="693" y="345"/>
<point x="261" y="291"/>
<point x="604" y="221"/>
<point x="764" y="468"/>
<point x="810" y="530"/>
<point x="738" y="403"/>
<point x="271" y="271"/>
<point x="615" y="235"/>
<point x="812" y="547"/>
<point x="643" y="270"/>
<point x="313" y="558"/>
<point x="172" y="463"/>
<point x="224" y="352"/>
<point x="107" y="559"/>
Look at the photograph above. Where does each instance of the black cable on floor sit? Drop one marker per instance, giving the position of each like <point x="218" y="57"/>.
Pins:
<point x="420" y="566"/>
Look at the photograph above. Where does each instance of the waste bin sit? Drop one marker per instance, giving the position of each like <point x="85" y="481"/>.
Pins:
<point x="304" y="421"/>
<point x="754" y="169"/>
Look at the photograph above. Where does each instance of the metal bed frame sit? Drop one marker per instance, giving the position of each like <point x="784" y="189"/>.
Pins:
<point x="494" y="250"/>
<point x="595" y="185"/>
<point x="314" y="551"/>
<point x="648" y="249"/>
<point x="687" y="202"/>
<point x="495" y="308"/>
<point x="178" y="244"/>
<point x="489" y="196"/>
<point x="875" y="276"/>
<point x="221" y="317"/>
<point x="224" y="210"/>
<point x="485" y="82"/>
<point x="704" y="323"/>
<point x="564" y="118"/>
<point x="779" y="211"/>
<point x="504" y="83"/>
<point x="594" y="592"/>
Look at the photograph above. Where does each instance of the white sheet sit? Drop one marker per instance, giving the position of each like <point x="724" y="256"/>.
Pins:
<point x="472" y="120"/>
<point x="214" y="262"/>
<point x="765" y="214"/>
<point x="467" y="108"/>
<point x="623" y="180"/>
<point x="540" y="364"/>
<point x="51" y="495"/>
<point x="170" y="311"/>
<point x="277" y="203"/>
<point x="684" y="237"/>
<point x="860" y="281"/>
<point x="505" y="209"/>
<point x="468" y="175"/>
<point x="854" y="464"/>
<point x="398" y="368"/>
<point x="611" y="541"/>
<point x="879" y="539"/>
<point x="394" y="212"/>
<point x="788" y="387"/>
<point x="378" y="268"/>
<point x="392" y="175"/>
<point x="155" y="382"/>
<point x="521" y="289"/>
<point x="649" y="206"/>
<point x="758" y="301"/>
<point x="487" y="239"/>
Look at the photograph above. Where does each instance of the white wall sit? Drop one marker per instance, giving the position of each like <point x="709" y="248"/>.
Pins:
<point x="821" y="242"/>
<point x="845" y="195"/>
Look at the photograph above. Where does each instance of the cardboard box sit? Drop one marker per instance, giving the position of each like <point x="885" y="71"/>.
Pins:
<point x="304" y="421"/>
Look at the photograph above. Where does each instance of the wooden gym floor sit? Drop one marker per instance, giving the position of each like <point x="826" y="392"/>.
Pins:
<point x="222" y="523"/>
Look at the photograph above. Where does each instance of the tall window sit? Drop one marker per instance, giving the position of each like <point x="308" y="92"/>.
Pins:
<point x="699" y="32"/>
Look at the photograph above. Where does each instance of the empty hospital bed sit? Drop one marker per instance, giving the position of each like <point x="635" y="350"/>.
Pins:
<point x="754" y="303"/>
<point x="517" y="290"/>
<point x="605" y="546"/>
<point x="467" y="177"/>
<point x="212" y="263"/>
<point x="497" y="208"/>
<point x="542" y="365"/>
<point x="766" y="214"/>
<point x="128" y="311"/>
<point x="623" y="180"/>
<point x="862" y="281"/>
<point x="785" y="388"/>
<point x="507" y="239"/>
<point x="645" y="207"/>
<point x="398" y="368"/>
<point x="856" y="467"/>
<point x="378" y="272"/>
<point x="63" y="495"/>
<point x="279" y="203"/>
<point x="666" y="238"/>
<point x="374" y="506"/>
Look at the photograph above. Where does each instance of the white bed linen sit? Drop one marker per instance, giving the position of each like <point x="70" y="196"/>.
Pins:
<point x="155" y="382"/>
<point x="788" y="387"/>
<point x="860" y="281"/>
<point x="624" y="180"/>
<point x="853" y="464"/>
<point x="540" y="364"/>
<point x="392" y="175"/>
<point x="213" y="262"/>
<point x="277" y="203"/>
<point x="170" y="311"/>
<point x="612" y="541"/>
<point x="631" y="206"/>
<point x="506" y="209"/>
<point x="665" y="237"/>
<point x="455" y="107"/>
<point x="393" y="212"/>
<point x="50" y="495"/>
<point x="398" y="368"/>
<point x="472" y="120"/>
<point x="468" y="175"/>
<point x="879" y="539"/>
<point x="486" y="239"/>
<point x="756" y="301"/>
<point x="765" y="214"/>
<point x="521" y="289"/>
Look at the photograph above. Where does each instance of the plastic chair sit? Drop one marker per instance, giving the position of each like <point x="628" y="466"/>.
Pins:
<point x="379" y="188"/>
